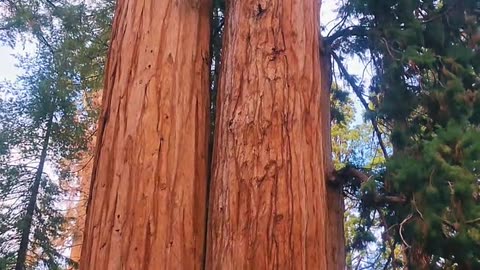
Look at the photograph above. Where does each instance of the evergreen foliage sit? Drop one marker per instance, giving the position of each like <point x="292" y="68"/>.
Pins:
<point x="46" y="119"/>
<point x="425" y="97"/>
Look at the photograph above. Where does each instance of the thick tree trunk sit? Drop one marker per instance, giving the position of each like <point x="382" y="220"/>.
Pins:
<point x="32" y="201"/>
<point x="335" y="231"/>
<point x="268" y="204"/>
<point x="147" y="206"/>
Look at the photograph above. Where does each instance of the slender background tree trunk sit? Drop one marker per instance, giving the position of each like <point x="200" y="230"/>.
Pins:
<point x="268" y="204"/>
<point x="32" y="201"/>
<point x="147" y="208"/>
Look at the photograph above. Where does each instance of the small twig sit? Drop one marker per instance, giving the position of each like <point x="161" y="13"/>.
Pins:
<point x="338" y="177"/>
<point x="44" y="41"/>
<point x="84" y="165"/>
<point x="449" y="224"/>
<point x="338" y="24"/>
<point x="438" y="16"/>
<point x="390" y="199"/>
<point x="473" y="221"/>
<point x="390" y="239"/>
<point x="416" y="208"/>
<point x="385" y="42"/>
<point x="401" y="229"/>
<point x="387" y="263"/>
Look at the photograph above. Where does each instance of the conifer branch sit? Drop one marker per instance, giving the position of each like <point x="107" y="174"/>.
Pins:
<point x="44" y="41"/>
<point x="359" y="93"/>
<point x="340" y="177"/>
<point x="449" y="224"/>
<point x="346" y="32"/>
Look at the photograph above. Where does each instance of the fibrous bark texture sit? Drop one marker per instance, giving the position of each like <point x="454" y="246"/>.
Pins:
<point x="147" y="207"/>
<point x="335" y="205"/>
<point x="268" y="203"/>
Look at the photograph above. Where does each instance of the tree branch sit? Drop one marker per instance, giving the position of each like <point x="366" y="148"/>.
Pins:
<point x="346" y="32"/>
<point x="44" y="41"/>
<point x="473" y="221"/>
<point x="359" y="93"/>
<point x="341" y="176"/>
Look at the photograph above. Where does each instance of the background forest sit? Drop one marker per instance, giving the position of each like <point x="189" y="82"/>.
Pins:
<point x="405" y="114"/>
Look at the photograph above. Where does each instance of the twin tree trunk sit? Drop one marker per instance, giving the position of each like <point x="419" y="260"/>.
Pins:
<point x="148" y="198"/>
<point x="268" y="203"/>
<point x="269" y="207"/>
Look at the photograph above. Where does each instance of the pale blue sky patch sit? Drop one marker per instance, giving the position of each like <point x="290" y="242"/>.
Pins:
<point x="8" y="64"/>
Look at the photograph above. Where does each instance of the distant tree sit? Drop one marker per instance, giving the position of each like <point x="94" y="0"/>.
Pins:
<point x="45" y="116"/>
<point x="41" y="127"/>
<point x="423" y="99"/>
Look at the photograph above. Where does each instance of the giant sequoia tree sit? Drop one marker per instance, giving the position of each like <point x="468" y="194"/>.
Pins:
<point x="272" y="119"/>
<point x="148" y="197"/>
<point x="268" y="205"/>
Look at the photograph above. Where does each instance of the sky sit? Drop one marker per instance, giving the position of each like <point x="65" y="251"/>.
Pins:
<point x="8" y="69"/>
<point x="8" y="63"/>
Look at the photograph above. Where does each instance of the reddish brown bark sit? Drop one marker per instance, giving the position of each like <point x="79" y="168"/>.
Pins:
<point x="418" y="260"/>
<point x="268" y="207"/>
<point x="335" y="230"/>
<point x="335" y="205"/>
<point x="147" y="208"/>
